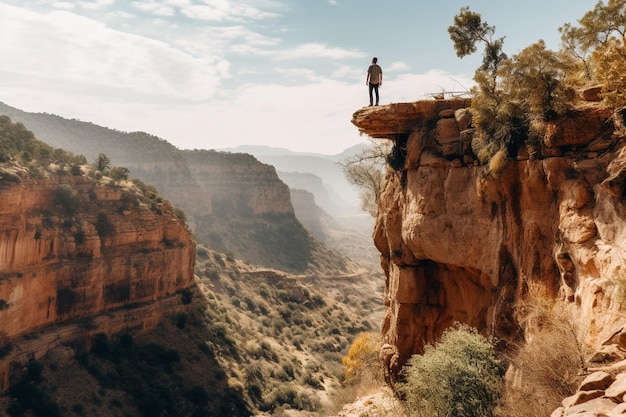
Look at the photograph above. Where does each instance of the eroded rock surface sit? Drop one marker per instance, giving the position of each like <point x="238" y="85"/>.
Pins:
<point x="101" y="250"/>
<point x="458" y="244"/>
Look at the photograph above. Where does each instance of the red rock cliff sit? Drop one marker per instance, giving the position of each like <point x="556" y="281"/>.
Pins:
<point x="105" y="248"/>
<point x="459" y="245"/>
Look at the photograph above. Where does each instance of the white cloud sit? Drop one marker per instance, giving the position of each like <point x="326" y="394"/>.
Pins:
<point x="307" y="50"/>
<point x="96" y="4"/>
<point x="223" y="10"/>
<point x="66" y="5"/>
<point x="240" y="32"/>
<point x="216" y="41"/>
<point x="411" y="87"/>
<point x="397" y="66"/>
<point x="120" y="14"/>
<point x="298" y="74"/>
<point x="345" y="71"/>
<point x="153" y="7"/>
<point x="77" y="55"/>
<point x="319" y="50"/>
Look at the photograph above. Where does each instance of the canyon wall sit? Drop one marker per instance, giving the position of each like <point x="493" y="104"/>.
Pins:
<point x="238" y="184"/>
<point x="460" y="244"/>
<point x="73" y="248"/>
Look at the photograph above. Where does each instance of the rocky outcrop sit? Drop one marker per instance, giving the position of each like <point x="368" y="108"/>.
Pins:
<point x="71" y="248"/>
<point x="603" y="390"/>
<point x="459" y="244"/>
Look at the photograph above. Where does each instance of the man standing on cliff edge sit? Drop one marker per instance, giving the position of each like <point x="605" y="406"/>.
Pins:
<point x="374" y="79"/>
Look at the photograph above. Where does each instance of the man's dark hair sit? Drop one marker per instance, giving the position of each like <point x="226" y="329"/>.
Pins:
<point x="375" y="60"/>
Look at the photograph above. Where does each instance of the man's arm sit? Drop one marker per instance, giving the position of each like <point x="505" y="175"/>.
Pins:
<point x="367" y="76"/>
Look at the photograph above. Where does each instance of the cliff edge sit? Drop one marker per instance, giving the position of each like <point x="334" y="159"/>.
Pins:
<point x="460" y="244"/>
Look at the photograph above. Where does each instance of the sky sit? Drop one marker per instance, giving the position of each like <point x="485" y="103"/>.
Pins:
<point x="211" y="74"/>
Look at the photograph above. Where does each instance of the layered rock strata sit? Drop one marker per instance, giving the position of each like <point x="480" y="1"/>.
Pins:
<point x="460" y="244"/>
<point x="71" y="248"/>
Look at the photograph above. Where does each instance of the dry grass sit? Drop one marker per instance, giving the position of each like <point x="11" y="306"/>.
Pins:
<point x="498" y="162"/>
<point x="547" y="367"/>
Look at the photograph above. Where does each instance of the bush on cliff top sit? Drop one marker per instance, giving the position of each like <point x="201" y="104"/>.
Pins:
<point x="514" y="97"/>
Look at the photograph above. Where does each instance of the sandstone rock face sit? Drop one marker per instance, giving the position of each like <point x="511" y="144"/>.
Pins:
<point x="457" y="244"/>
<point x="601" y="393"/>
<point x="111" y="250"/>
<point x="238" y="184"/>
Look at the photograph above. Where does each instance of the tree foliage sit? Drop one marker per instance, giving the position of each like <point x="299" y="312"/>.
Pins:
<point x="119" y="173"/>
<point x="362" y="363"/>
<point x="609" y="63"/>
<point x="469" y="30"/>
<point x="461" y="376"/>
<point x="366" y="170"/>
<point x="67" y="197"/>
<point x="598" y="43"/>
<point x="102" y="162"/>
<point x="513" y="97"/>
<point x="19" y="144"/>
<point x="596" y="28"/>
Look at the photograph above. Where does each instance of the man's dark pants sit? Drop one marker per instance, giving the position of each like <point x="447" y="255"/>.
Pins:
<point x="375" y="88"/>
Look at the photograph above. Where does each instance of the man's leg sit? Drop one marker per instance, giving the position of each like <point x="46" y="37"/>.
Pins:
<point x="376" y="90"/>
<point x="371" y="97"/>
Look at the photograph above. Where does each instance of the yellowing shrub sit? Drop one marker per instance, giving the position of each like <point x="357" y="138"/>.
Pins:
<point x="362" y="363"/>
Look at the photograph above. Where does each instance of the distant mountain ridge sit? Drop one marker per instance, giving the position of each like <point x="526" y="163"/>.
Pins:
<point x="339" y="195"/>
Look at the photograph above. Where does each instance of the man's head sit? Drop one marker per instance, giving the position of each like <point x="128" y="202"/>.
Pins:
<point x="374" y="60"/>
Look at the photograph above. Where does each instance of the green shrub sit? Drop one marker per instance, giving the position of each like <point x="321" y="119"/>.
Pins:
<point x="461" y="376"/>
<point x="498" y="162"/>
<point x="27" y="395"/>
<point x="80" y="237"/>
<point x="119" y="173"/>
<point x="198" y="395"/>
<point x="75" y="170"/>
<point x="104" y="227"/>
<point x="9" y="176"/>
<point x="30" y="397"/>
<point x="101" y="345"/>
<point x="67" y="197"/>
<point x="102" y="162"/>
